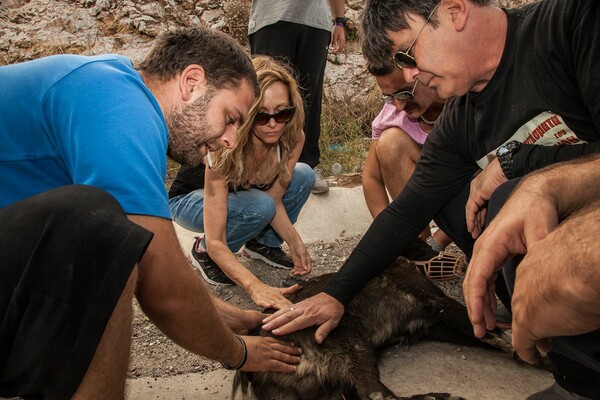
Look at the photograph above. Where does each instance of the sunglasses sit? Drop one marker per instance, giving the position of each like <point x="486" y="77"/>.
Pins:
<point x="281" y="116"/>
<point x="401" y="95"/>
<point x="404" y="60"/>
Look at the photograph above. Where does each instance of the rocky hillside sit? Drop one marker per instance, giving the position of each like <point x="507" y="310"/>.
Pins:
<point x="31" y="29"/>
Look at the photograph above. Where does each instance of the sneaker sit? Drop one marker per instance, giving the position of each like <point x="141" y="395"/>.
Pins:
<point x="208" y="268"/>
<point x="556" y="392"/>
<point x="320" y="185"/>
<point x="273" y="256"/>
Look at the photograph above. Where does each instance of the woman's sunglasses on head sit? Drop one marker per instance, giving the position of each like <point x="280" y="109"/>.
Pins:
<point x="281" y="116"/>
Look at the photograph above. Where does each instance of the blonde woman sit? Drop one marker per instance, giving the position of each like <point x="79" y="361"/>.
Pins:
<point x="252" y="194"/>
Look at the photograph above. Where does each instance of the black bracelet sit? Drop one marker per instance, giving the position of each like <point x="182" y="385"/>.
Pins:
<point x="244" y="357"/>
<point x="340" y="21"/>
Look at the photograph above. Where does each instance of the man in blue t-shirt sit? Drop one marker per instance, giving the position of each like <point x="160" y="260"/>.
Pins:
<point x="84" y="215"/>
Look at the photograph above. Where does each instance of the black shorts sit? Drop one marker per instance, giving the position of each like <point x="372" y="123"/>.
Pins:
<point x="65" y="257"/>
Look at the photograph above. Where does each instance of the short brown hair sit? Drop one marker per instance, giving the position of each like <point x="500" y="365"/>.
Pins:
<point x="225" y="62"/>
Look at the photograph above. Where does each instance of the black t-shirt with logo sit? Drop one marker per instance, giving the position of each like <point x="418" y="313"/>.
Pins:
<point x="545" y="93"/>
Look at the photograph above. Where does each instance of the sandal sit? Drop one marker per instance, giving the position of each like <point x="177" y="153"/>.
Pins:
<point x="444" y="266"/>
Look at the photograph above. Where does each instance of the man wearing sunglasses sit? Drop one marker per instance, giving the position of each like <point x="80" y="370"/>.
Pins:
<point x="398" y="134"/>
<point x="527" y="84"/>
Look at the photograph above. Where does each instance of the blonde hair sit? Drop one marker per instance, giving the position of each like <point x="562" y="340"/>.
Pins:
<point x="235" y="165"/>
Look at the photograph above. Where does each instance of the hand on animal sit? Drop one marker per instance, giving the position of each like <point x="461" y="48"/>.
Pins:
<point x="321" y="310"/>
<point x="557" y="286"/>
<point x="271" y="297"/>
<point x="249" y="321"/>
<point x="524" y="219"/>
<point x="399" y="306"/>
<point x="269" y="354"/>
<point x="482" y="187"/>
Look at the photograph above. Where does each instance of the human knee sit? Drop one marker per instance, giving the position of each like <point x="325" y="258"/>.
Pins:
<point x="303" y="175"/>
<point x="394" y="144"/>
<point x="261" y="206"/>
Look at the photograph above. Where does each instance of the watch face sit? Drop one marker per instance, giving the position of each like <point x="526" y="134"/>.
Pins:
<point x="502" y="150"/>
<point x="507" y="148"/>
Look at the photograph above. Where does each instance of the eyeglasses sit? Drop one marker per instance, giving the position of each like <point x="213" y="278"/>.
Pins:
<point x="281" y="116"/>
<point x="404" y="60"/>
<point x="401" y="95"/>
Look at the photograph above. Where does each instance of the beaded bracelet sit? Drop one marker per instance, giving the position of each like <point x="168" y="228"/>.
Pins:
<point x="244" y="356"/>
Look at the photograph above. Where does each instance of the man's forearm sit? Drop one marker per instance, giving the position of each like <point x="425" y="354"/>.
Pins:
<point x="239" y="321"/>
<point x="572" y="184"/>
<point x="533" y="157"/>
<point x="391" y="232"/>
<point x="175" y="299"/>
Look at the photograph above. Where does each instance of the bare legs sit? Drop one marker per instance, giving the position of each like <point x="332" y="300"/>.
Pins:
<point x="396" y="154"/>
<point x="105" y="377"/>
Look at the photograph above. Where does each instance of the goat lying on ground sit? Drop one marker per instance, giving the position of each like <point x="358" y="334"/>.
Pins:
<point x="400" y="305"/>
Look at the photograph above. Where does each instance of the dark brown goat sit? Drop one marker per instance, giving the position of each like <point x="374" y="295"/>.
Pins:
<point x="400" y="305"/>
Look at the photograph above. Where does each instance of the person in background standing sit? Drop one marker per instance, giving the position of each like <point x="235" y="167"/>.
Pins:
<point x="300" y="32"/>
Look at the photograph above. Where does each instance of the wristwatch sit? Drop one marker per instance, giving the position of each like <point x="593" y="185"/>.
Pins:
<point x="505" y="154"/>
<point x="340" y="21"/>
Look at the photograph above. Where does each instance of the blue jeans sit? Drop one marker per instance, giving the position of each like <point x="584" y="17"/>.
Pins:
<point x="249" y="212"/>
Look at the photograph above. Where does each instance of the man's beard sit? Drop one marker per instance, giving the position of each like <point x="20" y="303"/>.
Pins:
<point x="189" y="130"/>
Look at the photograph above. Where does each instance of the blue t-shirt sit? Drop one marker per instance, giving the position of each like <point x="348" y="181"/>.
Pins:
<point x="71" y="119"/>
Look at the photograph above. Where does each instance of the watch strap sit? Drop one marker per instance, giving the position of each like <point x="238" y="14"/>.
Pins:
<point x="340" y="21"/>
<point x="505" y="156"/>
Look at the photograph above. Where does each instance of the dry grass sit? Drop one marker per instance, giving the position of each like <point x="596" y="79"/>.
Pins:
<point x="346" y="132"/>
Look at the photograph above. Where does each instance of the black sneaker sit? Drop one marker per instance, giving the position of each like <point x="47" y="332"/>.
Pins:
<point x="273" y="256"/>
<point x="208" y="268"/>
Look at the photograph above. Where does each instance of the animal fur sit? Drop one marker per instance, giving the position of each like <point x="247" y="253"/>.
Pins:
<point x="400" y="305"/>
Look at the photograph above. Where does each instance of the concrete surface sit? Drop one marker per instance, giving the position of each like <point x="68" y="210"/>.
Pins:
<point x="476" y="374"/>
<point x="342" y="212"/>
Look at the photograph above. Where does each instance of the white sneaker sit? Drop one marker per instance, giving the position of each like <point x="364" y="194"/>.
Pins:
<point x="320" y="185"/>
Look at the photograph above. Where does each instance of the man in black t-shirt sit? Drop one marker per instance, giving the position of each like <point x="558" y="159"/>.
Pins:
<point x="526" y="83"/>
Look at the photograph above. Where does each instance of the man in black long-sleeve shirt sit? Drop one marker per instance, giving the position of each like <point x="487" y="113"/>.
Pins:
<point x="526" y="82"/>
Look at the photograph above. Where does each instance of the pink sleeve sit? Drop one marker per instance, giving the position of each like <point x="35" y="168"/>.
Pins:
<point x="387" y="117"/>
